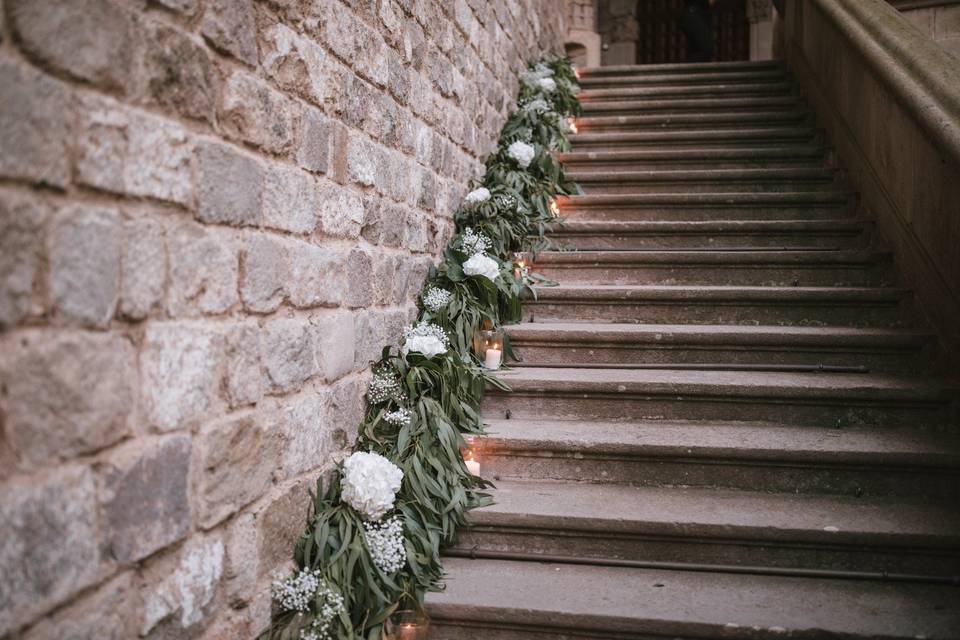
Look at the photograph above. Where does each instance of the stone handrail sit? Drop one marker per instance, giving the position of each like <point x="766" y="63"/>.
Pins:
<point x="889" y="98"/>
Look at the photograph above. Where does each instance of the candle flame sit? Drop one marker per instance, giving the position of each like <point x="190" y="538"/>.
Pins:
<point x="572" y="124"/>
<point x="554" y="208"/>
<point x="576" y="72"/>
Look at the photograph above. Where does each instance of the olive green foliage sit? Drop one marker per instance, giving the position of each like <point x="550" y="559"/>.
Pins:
<point x="443" y="393"/>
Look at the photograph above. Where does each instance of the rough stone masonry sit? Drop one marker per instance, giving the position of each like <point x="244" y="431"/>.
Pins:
<point x="213" y="214"/>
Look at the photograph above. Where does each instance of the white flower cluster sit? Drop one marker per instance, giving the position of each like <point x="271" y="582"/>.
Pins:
<point x="399" y="418"/>
<point x="472" y="242"/>
<point x="537" y="105"/>
<point x="569" y="87"/>
<point x="481" y="265"/>
<point x="533" y="77"/>
<point x="522" y="153"/>
<point x="385" y="544"/>
<point x="304" y="588"/>
<point x="370" y="483"/>
<point x="425" y="338"/>
<point x="504" y="202"/>
<point x="436" y="299"/>
<point x="477" y="196"/>
<point x="547" y="85"/>
<point x="383" y="387"/>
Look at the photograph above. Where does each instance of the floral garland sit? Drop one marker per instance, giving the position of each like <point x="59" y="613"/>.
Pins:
<point x="377" y="527"/>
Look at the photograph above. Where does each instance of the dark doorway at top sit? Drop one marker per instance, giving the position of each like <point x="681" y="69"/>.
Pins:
<point x="661" y="41"/>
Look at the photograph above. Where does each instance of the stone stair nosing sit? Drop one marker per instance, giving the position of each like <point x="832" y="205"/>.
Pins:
<point x="757" y="456"/>
<point x="739" y="104"/>
<point x="811" y="233"/>
<point x="776" y="267"/>
<point x="506" y="600"/>
<point x="709" y="78"/>
<point x="871" y="348"/>
<point x="660" y="91"/>
<point x="801" y="155"/>
<point x="684" y="68"/>
<point x="698" y="139"/>
<point x="694" y="121"/>
<point x="719" y="527"/>
<point x="741" y="305"/>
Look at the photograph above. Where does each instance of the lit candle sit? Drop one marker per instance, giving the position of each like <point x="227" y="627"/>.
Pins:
<point x="572" y="124"/>
<point x="473" y="466"/>
<point x="408" y="631"/>
<point x="518" y="271"/>
<point x="554" y="208"/>
<point x="576" y="72"/>
<point x="493" y="357"/>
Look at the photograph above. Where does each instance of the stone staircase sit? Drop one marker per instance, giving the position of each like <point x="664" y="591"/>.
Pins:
<point x="727" y="423"/>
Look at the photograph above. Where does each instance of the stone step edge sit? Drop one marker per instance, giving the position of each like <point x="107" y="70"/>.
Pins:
<point x="491" y="519"/>
<point x="779" y="257"/>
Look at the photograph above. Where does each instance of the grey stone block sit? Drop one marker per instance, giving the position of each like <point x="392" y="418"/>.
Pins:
<point x="144" y="499"/>
<point x="230" y="186"/>
<point x="85" y="264"/>
<point x="53" y="405"/>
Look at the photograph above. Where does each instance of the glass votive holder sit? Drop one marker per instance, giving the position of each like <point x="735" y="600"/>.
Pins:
<point x="408" y="624"/>
<point x="488" y="347"/>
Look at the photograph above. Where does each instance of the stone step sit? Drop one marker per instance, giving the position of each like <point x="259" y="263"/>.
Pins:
<point x="824" y="399"/>
<point x="787" y="156"/>
<point x="548" y="343"/>
<point x="508" y="600"/>
<point x="679" y="79"/>
<point x="713" y="234"/>
<point x="697" y="139"/>
<point x="741" y="104"/>
<point x="771" y="267"/>
<point x="659" y="304"/>
<point x="694" y="207"/>
<point x="693" y="121"/>
<point x="760" y="457"/>
<point x="718" y="527"/>
<point x="713" y="90"/>
<point x="648" y="70"/>
<point x="705" y="180"/>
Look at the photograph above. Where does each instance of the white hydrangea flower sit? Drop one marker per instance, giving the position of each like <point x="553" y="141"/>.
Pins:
<point x="383" y="386"/>
<point x="521" y="152"/>
<point x="385" y="544"/>
<point x="370" y="483"/>
<point x="426" y="339"/>
<point x="477" y="196"/>
<point x="436" y="299"/>
<point x="481" y="265"/>
<point x="399" y="418"/>
<point x="547" y="85"/>
<point x="472" y="242"/>
<point x="533" y="76"/>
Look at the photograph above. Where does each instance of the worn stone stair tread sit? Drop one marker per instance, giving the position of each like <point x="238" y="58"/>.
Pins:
<point x="705" y="334"/>
<point x="748" y="383"/>
<point x="693" y="104"/>
<point x="762" y="75"/>
<point x="719" y="293"/>
<point x="621" y="200"/>
<point x="612" y="227"/>
<point x="685" y="68"/>
<point x="713" y="257"/>
<point x="744" y="441"/>
<point x="710" y="120"/>
<point x="695" y="136"/>
<point x="801" y="151"/>
<point x="728" y="513"/>
<point x="626" y="602"/>
<point x="722" y="88"/>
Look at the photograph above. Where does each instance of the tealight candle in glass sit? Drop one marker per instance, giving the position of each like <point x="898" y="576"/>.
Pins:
<point x="471" y="455"/>
<point x="554" y="208"/>
<point x="408" y="624"/>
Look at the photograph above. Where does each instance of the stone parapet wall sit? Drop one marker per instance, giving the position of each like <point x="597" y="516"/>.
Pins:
<point x="889" y="99"/>
<point x="213" y="215"/>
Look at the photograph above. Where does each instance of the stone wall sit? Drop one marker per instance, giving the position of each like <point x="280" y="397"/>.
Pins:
<point x="213" y="214"/>
<point x="939" y="19"/>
